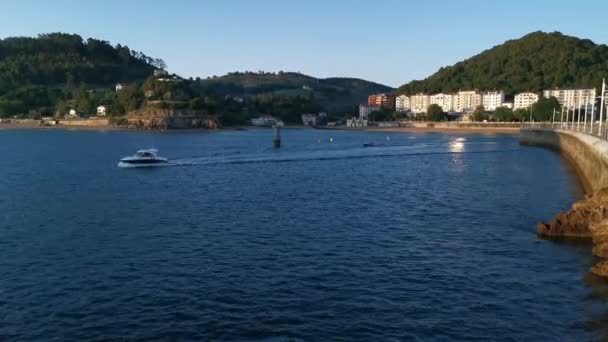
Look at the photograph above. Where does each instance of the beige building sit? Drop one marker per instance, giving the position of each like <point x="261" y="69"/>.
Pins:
<point x="525" y="100"/>
<point x="445" y="101"/>
<point x="402" y="103"/>
<point x="493" y="100"/>
<point x="572" y="98"/>
<point x="467" y="101"/>
<point x="419" y="103"/>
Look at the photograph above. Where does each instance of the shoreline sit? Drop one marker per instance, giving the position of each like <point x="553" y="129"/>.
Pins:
<point x="587" y="218"/>
<point x="449" y="130"/>
<point x="492" y="130"/>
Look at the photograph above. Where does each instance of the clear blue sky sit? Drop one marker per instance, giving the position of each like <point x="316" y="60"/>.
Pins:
<point x="387" y="41"/>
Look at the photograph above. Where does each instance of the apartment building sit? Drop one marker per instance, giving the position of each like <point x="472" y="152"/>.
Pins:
<point x="419" y="103"/>
<point x="402" y="103"/>
<point x="525" y="100"/>
<point x="572" y="98"/>
<point x="445" y="101"/>
<point x="386" y="101"/>
<point x="467" y="101"/>
<point x="493" y="99"/>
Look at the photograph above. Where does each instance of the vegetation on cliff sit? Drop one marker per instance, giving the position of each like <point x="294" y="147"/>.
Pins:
<point x="534" y="62"/>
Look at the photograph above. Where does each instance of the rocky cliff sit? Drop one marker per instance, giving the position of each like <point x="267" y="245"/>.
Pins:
<point x="158" y="118"/>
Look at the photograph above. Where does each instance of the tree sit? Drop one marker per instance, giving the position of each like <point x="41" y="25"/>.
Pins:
<point x="504" y="114"/>
<point x="479" y="114"/>
<point x="435" y="113"/>
<point x="381" y="115"/>
<point x="520" y="114"/>
<point x="543" y="109"/>
<point x="61" y="108"/>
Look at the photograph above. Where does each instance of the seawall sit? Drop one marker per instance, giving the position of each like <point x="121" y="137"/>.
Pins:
<point x="588" y="154"/>
<point x="588" y="218"/>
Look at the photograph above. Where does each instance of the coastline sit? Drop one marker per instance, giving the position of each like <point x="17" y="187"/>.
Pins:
<point x="492" y="130"/>
<point x="35" y="124"/>
<point x="587" y="219"/>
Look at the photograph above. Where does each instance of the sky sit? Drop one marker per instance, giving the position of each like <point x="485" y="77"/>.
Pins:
<point x="386" y="41"/>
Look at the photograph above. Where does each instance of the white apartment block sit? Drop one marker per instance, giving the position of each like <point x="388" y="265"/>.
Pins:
<point x="419" y="103"/>
<point x="467" y="101"/>
<point x="365" y="111"/>
<point x="572" y="98"/>
<point x="402" y="103"/>
<point x="525" y="100"/>
<point x="493" y="100"/>
<point x="445" y="101"/>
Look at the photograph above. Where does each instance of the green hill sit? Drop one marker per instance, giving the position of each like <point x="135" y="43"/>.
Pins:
<point x="53" y="73"/>
<point x="334" y="95"/>
<point x="534" y="62"/>
<point x="37" y="73"/>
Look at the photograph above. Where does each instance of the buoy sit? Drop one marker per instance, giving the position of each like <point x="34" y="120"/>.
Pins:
<point x="388" y="138"/>
<point x="331" y="139"/>
<point x="276" y="140"/>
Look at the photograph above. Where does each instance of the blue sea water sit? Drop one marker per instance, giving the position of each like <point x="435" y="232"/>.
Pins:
<point x="430" y="237"/>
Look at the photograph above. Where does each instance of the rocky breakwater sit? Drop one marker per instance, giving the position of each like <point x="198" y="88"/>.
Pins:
<point x="587" y="219"/>
<point x="158" y="118"/>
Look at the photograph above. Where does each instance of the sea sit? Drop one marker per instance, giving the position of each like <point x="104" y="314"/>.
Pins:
<point x="422" y="237"/>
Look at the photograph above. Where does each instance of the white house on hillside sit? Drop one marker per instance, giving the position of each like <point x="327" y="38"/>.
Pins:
<point x="101" y="111"/>
<point x="119" y="87"/>
<point x="71" y="114"/>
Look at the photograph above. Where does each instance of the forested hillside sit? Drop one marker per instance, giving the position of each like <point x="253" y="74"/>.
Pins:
<point x="334" y="95"/>
<point x="534" y="62"/>
<point x="38" y="74"/>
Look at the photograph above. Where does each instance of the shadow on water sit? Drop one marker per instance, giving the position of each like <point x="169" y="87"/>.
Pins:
<point x="599" y="292"/>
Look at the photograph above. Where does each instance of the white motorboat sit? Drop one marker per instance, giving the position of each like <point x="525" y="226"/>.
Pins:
<point x="141" y="158"/>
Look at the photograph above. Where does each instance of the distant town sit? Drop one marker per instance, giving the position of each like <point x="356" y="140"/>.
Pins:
<point x="461" y="105"/>
<point x="458" y="106"/>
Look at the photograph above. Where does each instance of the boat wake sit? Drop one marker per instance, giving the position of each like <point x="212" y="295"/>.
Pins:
<point x="316" y="156"/>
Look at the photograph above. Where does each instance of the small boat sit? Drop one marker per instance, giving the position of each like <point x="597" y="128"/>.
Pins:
<point x="372" y="144"/>
<point x="141" y="158"/>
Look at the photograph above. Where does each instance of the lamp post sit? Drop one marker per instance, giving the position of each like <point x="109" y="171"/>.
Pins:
<point x="578" y="117"/>
<point x="586" y="108"/>
<point x="602" y="105"/>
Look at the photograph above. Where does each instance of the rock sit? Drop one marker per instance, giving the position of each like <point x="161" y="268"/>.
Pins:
<point x="158" y="117"/>
<point x="600" y="269"/>
<point x="577" y="222"/>
<point x="601" y="250"/>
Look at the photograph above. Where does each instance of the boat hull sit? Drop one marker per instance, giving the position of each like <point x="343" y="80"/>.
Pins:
<point x="142" y="162"/>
